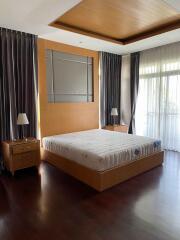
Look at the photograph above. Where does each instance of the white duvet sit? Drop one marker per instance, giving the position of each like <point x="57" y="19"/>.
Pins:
<point x="101" y="149"/>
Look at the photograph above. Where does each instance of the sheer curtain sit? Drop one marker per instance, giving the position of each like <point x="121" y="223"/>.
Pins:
<point x="158" y="104"/>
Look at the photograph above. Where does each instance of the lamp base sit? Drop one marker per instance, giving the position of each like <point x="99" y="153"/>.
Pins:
<point x="114" y="121"/>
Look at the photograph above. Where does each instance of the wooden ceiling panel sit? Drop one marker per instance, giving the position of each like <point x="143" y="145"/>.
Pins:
<point x="119" y="20"/>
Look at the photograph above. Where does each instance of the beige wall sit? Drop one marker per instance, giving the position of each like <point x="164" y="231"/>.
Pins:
<point x="57" y="118"/>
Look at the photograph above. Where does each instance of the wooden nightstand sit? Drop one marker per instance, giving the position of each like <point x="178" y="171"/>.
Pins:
<point x="118" y="128"/>
<point x="21" y="154"/>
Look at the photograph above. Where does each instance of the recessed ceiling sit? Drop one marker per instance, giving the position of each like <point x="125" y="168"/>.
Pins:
<point x="34" y="17"/>
<point x="118" y="20"/>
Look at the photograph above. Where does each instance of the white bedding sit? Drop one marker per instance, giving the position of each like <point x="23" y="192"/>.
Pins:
<point x="101" y="149"/>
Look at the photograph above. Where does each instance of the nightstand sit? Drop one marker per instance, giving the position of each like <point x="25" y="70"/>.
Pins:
<point x="118" y="128"/>
<point x="21" y="154"/>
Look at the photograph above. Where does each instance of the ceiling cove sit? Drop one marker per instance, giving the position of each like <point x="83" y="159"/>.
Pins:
<point x="118" y="21"/>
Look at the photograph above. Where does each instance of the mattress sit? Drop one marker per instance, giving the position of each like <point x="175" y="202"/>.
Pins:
<point x="100" y="149"/>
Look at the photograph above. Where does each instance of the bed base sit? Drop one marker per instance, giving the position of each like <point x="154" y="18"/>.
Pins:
<point x="104" y="179"/>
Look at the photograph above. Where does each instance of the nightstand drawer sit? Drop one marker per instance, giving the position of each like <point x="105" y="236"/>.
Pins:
<point x="25" y="160"/>
<point x="25" y="148"/>
<point x="118" y="128"/>
<point x="121" y="128"/>
<point x="21" y="154"/>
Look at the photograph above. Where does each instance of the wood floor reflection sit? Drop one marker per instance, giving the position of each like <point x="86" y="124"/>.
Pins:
<point x="52" y="205"/>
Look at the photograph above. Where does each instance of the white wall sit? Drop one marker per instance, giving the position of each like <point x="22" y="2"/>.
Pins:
<point x="125" y="90"/>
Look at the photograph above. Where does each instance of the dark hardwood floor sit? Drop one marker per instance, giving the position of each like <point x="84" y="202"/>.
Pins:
<point x="52" y="205"/>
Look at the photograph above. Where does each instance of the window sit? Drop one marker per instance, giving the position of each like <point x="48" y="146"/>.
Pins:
<point x="69" y="77"/>
<point x="158" y="104"/>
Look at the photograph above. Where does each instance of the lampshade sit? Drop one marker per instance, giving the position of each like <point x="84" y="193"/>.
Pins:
<point x="22" y="119"/>
<point x="114" y="112"/>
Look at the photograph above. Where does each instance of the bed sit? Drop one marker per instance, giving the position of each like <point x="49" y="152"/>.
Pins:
<point x="102" y="158"/>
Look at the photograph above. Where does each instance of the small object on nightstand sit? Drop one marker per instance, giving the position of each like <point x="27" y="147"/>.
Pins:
<point x="114" y="114"/>
<point x="21" y="154"/>
<point x="22" y="120"/>
<point x="118" y="128"/>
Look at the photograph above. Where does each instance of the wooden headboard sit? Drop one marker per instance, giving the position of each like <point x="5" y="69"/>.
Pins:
<point x="57" y="118"/>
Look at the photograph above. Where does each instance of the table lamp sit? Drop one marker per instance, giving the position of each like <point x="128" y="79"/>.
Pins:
<point x="22" y="120"/>
<point x="114" y="114"/>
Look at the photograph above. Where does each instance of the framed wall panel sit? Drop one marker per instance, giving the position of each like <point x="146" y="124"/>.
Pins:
<point x="69" y="77"/>
<point x="64" y="117"/>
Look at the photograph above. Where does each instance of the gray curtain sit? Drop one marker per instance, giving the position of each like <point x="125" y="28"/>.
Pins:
<point x="110" y="72"/>
<point x="134" y="85"/>
<point x="18" y="82"/>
